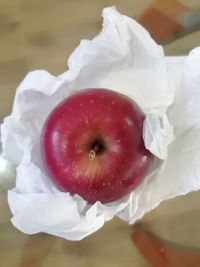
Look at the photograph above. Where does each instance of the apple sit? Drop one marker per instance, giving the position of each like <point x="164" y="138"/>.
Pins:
<point x="92" y="145"/>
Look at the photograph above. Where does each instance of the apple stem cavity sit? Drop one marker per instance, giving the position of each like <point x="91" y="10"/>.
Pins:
<point x="96" y="148"/>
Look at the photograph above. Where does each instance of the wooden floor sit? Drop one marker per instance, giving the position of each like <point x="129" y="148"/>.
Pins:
<point x="42" y="34"/>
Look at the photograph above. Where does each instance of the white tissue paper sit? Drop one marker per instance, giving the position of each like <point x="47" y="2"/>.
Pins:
<point x="124" y="58"/>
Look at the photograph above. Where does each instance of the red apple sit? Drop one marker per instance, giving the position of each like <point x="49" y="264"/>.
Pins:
<point x="92" y="145"/>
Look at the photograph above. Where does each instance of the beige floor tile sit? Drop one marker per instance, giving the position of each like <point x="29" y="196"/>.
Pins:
<point x="12" y="42"/>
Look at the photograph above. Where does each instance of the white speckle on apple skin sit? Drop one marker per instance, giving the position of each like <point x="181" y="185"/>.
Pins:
<point x="79" y="151"/>
<point x="67" y="169"/>
<point x="91" y="102"/>
<point x="64" y="148"/>
<point x="107" y="119"/>
<point x="115" y="148"/>
<point x="77" y="174"/>
<point x="129" y="121"/>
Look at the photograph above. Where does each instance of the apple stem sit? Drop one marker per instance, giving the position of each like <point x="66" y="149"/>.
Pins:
<point x="93" y="152"/>
<point x="92" y="155"/>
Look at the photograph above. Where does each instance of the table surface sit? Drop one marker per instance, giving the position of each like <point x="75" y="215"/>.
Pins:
<point x="42" y="34"/>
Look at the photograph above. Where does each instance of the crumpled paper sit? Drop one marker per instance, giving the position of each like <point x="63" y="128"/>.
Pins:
<point x="124" y="58"/>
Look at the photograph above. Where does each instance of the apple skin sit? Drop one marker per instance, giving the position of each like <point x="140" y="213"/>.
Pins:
<point x="92" y="145"/>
